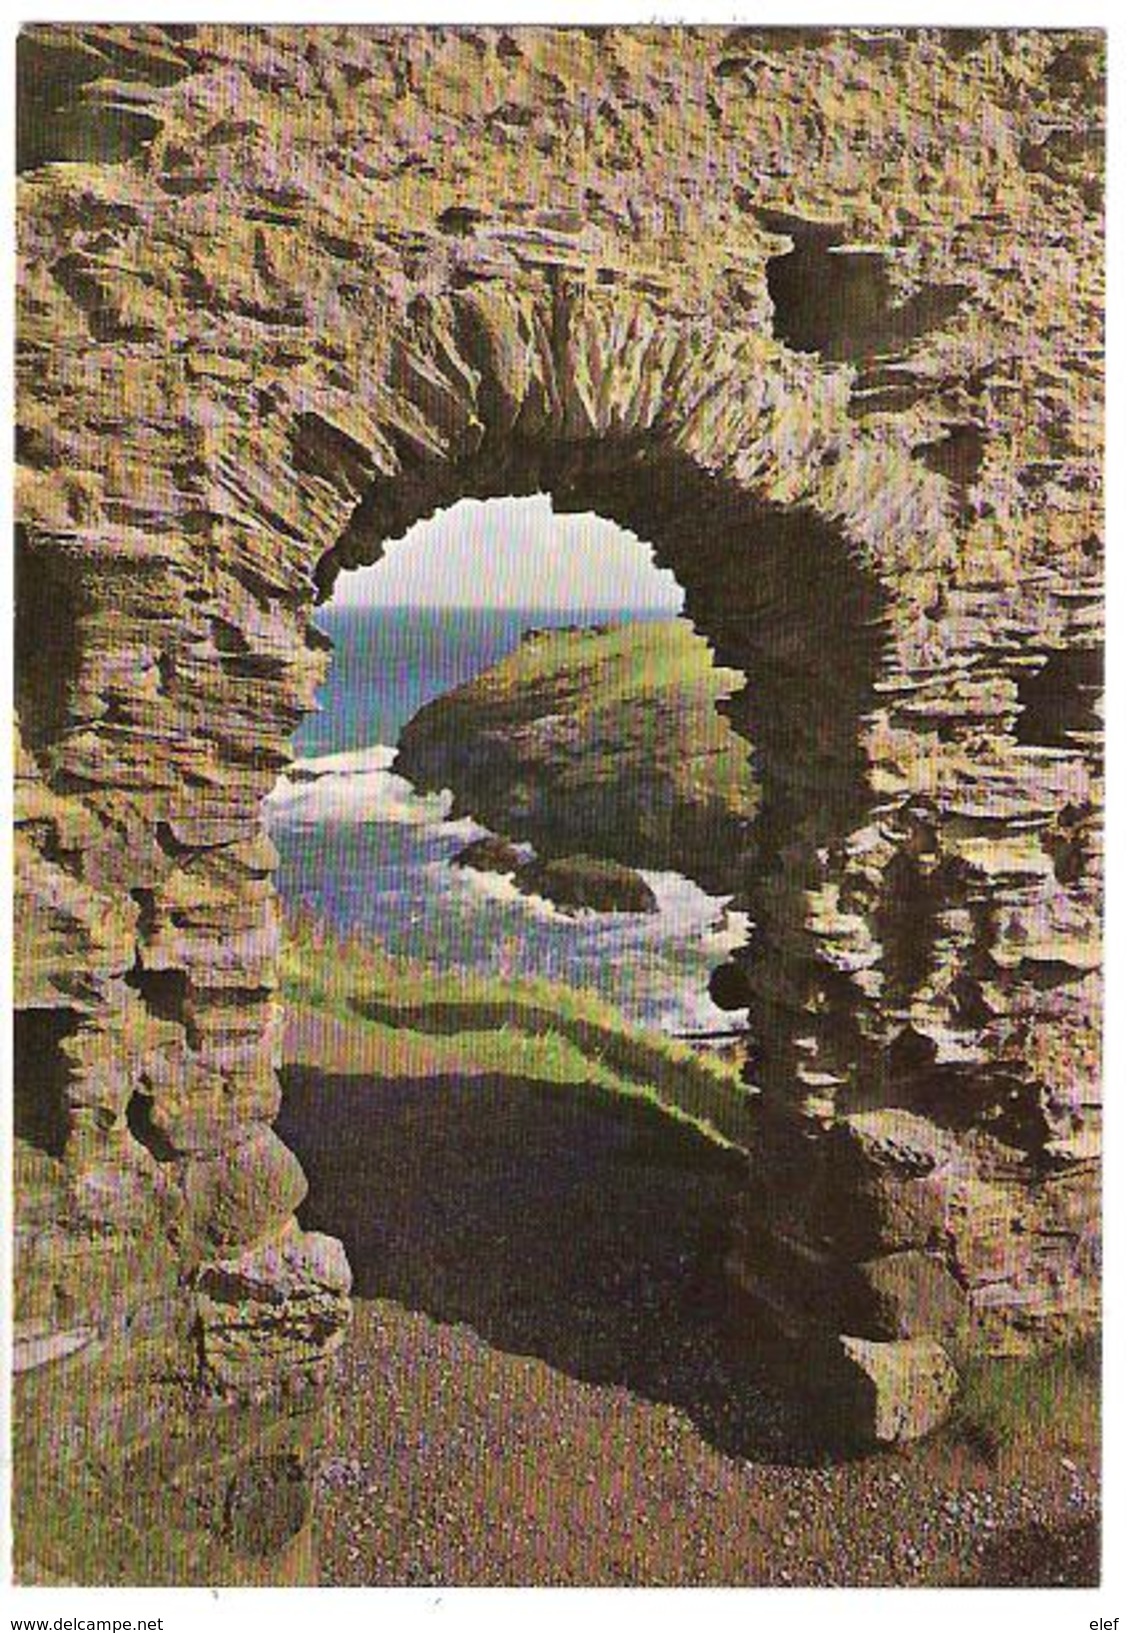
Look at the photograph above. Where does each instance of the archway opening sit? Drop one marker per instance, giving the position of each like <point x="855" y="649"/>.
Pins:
<point x="462" y="1180"/>
<point x="516" y="709"/>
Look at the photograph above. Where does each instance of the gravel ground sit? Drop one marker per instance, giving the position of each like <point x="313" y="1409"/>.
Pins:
<point x="543" y="1385"/>
<point x="451" y="1463"/>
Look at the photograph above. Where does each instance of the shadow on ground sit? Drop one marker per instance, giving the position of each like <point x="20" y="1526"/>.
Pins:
<point x="1064" y="1555"/>
<point x="589" y="1235"/>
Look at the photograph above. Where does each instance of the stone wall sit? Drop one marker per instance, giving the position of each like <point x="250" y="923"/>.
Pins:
<point x="819" y="315"/>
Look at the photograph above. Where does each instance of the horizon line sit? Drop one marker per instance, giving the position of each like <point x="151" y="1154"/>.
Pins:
<point x="490" y="606"/>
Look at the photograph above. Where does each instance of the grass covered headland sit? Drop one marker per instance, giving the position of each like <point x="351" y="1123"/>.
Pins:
<point x="604" y="742"/>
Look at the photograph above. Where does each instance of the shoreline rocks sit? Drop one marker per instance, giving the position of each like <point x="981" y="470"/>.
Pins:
<point x="491" y="854"/>
<point x="574" y="883"/>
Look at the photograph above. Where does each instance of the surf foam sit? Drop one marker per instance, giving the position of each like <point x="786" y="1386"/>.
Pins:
<point x="359" y="787"/>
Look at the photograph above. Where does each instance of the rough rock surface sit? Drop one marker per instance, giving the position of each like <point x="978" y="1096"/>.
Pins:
<point x="578" y="882"/>
<point x="272" y="1308"/>
<point x="604" y="741"/>
<point x="820" y="316"/>
<point x="490" y="854"/>
<point x="892" y="1391"/>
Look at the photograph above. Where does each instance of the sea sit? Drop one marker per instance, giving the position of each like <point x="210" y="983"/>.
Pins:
<point x="365" y="853"/>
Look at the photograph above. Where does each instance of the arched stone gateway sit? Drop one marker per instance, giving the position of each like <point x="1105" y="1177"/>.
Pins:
<point x="284" y="293"/>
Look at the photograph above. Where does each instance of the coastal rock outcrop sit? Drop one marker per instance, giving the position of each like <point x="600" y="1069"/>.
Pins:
<point x="491" y="854"/>
<point x="605" y="742"/>
<point x="577" y="883"/>
<point x="573" y="883"/>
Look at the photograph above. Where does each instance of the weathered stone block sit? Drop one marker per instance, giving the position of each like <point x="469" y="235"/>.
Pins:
<point x="245" y="1194"/>
<point x="202" y="1109"/>
<point x="895" y="1140"/>
<point x="115" y="1183"/>
<point x="888" y="1392"/>
<point x="279" y="1307"/>
<point x="911" y="1295"/>
<point x="887" y="1182"/>
<point x="883" y="1213"/>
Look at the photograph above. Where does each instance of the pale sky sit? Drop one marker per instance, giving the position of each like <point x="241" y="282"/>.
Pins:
<point x="513" y="553"/>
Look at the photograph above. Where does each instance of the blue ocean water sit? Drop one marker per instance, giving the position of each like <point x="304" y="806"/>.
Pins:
<point x="389" y="661"/>
<point x="361" y="850"/>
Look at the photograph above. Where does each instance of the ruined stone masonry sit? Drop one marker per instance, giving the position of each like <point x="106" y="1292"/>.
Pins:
<point x="818" y="314"/>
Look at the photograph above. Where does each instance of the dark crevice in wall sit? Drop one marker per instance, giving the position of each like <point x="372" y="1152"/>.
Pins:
<point x="1059" y="701"/>
<point x="1070" y="842"/>
<point x="80" y="281"/>
<point x="906" y="922"/>
<point x="63" y="115"/>
<point x="324" y="450"/>
<point x="147" y="913"/>
<point x="958" y="455"/>
<point x="41" y="1073"/>
<point x="139" y="1120"/>
<point x="48" y="643"/>
<point x="165" y="992"/>
<point x="916" y="888"/>
<point x="1003" y="1104"/>
<point x="995" y="1098"/>
<point x="93" y="132"/>
<point x="841" y="302"/>
<point x="170" y="845"/>
<point x="48" y="75"/>
<point x="970" y="1011"/>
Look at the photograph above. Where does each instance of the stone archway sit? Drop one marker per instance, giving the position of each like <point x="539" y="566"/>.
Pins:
<point x="227" y="402"/>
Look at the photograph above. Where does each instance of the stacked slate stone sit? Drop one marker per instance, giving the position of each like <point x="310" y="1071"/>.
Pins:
<point x="285" y="292"/>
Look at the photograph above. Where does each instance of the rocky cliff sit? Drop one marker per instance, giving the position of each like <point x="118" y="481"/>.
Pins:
<point x="605" y="742"/>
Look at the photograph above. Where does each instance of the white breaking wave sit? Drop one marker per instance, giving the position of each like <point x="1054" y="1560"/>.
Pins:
<point x="352" y="762"/>
<point x="698" y="1013"/>
<point x="359" y="787"/>
<point x="637" y="955"/>
<point x="685" y="910"/>
<point x="732" y="932"/>
<point x="687" y="916"/>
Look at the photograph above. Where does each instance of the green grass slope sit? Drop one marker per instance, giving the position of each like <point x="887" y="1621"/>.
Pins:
<point x="539" y="1030"/>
